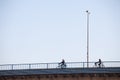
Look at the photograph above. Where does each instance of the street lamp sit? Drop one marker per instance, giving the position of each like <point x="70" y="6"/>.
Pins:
<point x="88" y="13"/>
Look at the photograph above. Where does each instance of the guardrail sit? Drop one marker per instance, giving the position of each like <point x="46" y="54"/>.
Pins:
<point x="55" y="65"/>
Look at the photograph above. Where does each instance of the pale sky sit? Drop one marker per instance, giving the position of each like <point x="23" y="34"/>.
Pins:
<point x="43" y="31"/>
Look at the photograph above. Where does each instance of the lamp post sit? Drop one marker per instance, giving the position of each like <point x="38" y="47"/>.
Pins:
<point x="88" y="13"/>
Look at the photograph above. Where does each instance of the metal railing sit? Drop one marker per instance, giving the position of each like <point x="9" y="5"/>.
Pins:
<point x="55" y="65"/>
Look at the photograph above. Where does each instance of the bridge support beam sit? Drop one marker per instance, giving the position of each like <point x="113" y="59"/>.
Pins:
<point x="95" y="76"/>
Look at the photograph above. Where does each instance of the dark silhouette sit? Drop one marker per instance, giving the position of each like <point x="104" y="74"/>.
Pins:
<point x="62" y="64"/>
<point x="99" y="63"/>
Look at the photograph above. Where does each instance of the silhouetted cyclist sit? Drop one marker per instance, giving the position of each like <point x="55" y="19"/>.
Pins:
<point x="99" y="63"/>
<point x="62" y="64"/>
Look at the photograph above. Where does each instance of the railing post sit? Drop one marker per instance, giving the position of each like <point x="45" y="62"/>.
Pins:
<point x="83" y="64"/>
<point x="47" y="65"/>
<point x="12" y="66"/>
<point x="29" y="66"/>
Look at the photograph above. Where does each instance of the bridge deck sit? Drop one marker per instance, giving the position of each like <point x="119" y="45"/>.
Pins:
<point x="59" y="71"/>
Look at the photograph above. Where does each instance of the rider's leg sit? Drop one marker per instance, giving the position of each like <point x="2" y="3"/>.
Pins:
<point x="63" y="66"/>
<point x="99" y="65"/>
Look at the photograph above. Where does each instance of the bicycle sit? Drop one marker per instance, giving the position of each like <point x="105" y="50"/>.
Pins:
<point x="62" y="66"/>
<point x="99" y="65"/>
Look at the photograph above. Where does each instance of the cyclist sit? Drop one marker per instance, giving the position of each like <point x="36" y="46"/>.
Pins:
<point x="62" y="64"/>
<point x="99" y="63"/>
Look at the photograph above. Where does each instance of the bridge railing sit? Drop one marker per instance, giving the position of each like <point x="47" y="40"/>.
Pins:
<point x="55" y="65"/>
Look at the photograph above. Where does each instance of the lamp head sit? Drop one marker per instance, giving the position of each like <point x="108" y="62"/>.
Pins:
<point x="87" y="12"/>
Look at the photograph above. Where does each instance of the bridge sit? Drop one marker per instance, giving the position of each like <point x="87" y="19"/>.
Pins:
<point x="51" y="71"/>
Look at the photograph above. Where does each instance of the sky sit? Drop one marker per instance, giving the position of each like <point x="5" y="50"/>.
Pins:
<point x="43" y="31"/>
